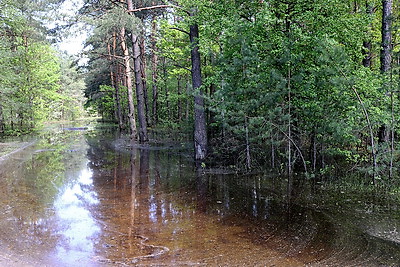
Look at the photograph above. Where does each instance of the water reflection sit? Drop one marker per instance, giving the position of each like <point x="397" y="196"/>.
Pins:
<point x="78" y="229"/>
<point x="97" y="201"/>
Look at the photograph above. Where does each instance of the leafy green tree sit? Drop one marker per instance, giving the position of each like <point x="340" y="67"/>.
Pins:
<point x="72" y="100"/>
<point x="290" y="84"/>
<point x="31" y="90"/>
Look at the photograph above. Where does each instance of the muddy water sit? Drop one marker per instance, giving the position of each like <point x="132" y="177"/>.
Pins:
<point x="79" y="197"/>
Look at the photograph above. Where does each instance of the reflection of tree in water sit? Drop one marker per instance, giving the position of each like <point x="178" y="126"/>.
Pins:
<point x="31" y="181"/>
<point x="122" y="180"/>
<point x="152" y="189"/>
<point x="153" y="197"/>
<point x="36" y="180"/>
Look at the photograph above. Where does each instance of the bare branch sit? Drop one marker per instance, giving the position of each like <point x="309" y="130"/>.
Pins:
<point x="174" y="28"/>
<point x="152" y="7"/>
<point x="111" y="56"/>
<point x="294" y="143"/>
<point x="182" y="67"/>
<point x="176" y="64"/>
<point x="108" y="56"/>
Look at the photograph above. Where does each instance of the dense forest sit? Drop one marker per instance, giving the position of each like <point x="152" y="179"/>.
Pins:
<point x="295" y="86"/>
<point x="37" y="83"/>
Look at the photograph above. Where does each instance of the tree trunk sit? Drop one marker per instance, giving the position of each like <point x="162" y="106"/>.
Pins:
<point x="187" y="108"/>
<point x="164" y="69"/>
<point x="139" y="81"/>
<point x="392" y="134"/>
<point x="211" y="114"/>
<point x="118" y="104"/>
<point x="1" y="119"/>
<point x="248" y="158"/>
<point x="367" y="45"/>
<point x="143" y="73"/>
<point x="367" y="54"/>
<point x="121" y="82"/>
<point x="116" y="84"/>
<point x="128" y="80"/>
<point x="154" y="65"/>
<point x="290" y="170"/>
<point x="113" y="81"/>
<point x="137" y="68"/>
<point x="312" y="151"/>
<point x="386" y="56"/>
<point x="114" y="94"/>
<point x="200" y="131"/>
<point x="179" y="78"/>
<point x="12" y="120"/>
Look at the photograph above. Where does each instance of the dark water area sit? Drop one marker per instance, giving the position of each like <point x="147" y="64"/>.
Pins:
<point x="82" y="196"/>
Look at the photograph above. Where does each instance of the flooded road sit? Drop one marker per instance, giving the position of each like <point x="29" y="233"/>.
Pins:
<point x="83" y="197"/>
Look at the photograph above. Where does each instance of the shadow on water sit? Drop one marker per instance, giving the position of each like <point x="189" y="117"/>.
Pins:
<point x="87" y="198"/>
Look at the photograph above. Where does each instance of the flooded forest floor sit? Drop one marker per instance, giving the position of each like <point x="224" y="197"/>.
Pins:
<point x="84" y="196"/>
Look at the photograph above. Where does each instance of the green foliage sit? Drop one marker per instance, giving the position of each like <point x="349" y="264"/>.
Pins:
<point x="284" y="80"/>
<point x="285" y="51"/>
<point x="71" y="91"/>
<point x="31" y="85"/>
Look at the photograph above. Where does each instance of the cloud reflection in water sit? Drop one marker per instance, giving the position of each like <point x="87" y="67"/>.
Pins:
<point x="78" y="227"/>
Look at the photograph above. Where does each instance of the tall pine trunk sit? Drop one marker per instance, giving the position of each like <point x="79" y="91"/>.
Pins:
<point x="386" y="51"/>
<point x="139" y="81"/>
<point x="154" y="66"/>
<point x="386" y="132"/>
<point x="114" y="82"/>
<point x="144" y="79"/>
<point x="1" y="119"/>
<point x="367" y="44"/>
<point x="116" y="85"/>
<point x="200" y="131"/>
<point x="386" y="55"/>
<point x="128" y="81"/>
<point x="179" y="87"/>
<point x="137" y="68"/>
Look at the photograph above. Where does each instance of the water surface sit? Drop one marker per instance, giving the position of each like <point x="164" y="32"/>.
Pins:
<point x="85" y="197"/>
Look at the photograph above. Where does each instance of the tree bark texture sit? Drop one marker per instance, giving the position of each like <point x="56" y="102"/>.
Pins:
<point x="179" y="78"/>
<point x="367" y="54"/>
<point x="139" y="82"/>
<point x="367" y="44"/>
<point x="116" y="84"/>
<point x="128" y="78"/>
<point x="386" y="56"/>
<point x="144" y="77"/>
<point x="200" y="131"/>
<point x="137" y="66"/>
<point x="154" y="65"/>
<point x="1" y="119"/>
